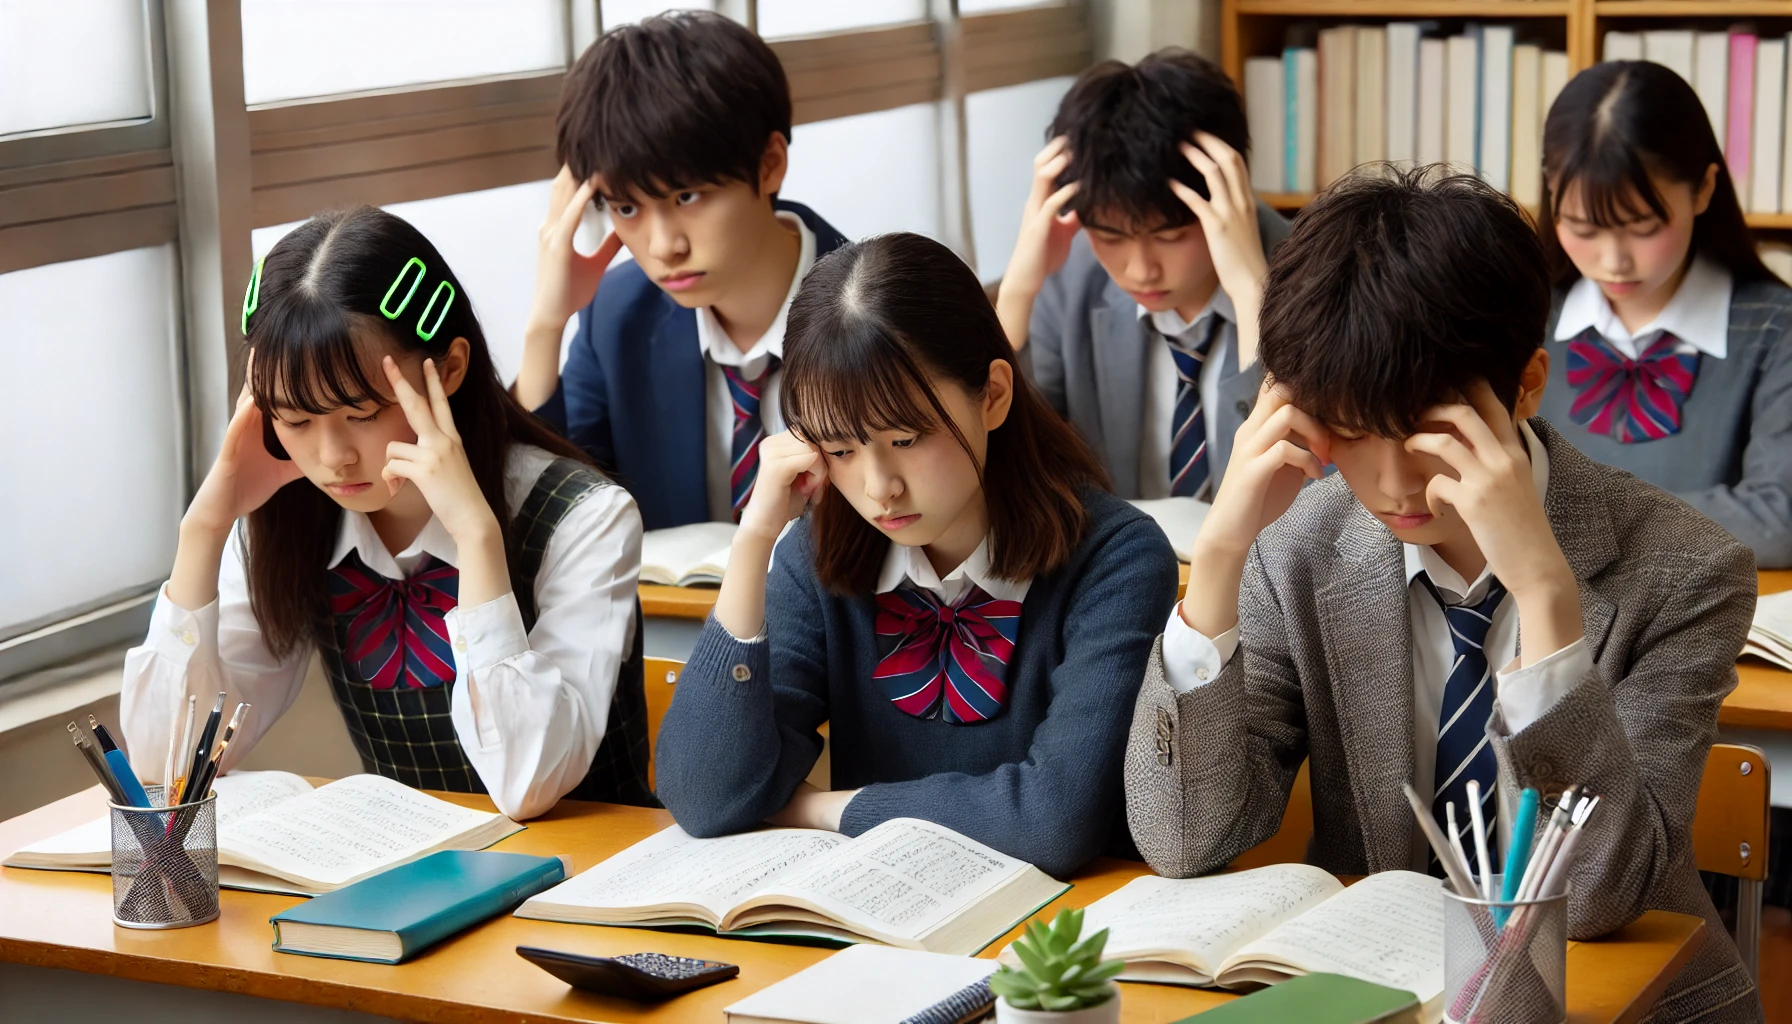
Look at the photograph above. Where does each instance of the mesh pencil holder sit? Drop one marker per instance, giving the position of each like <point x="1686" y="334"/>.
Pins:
<point x="1505" y="961"/>
<point x="165" y="864"/>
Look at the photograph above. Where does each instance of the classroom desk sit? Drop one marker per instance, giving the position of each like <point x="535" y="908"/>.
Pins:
<point x="1763" y="695"/>
<point x="63" y="920"/>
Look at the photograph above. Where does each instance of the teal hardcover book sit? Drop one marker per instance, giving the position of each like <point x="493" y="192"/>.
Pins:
<point x="397" y="913"/>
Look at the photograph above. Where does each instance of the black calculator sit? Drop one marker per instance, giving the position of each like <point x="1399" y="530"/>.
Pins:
<point x="648" y="977"/>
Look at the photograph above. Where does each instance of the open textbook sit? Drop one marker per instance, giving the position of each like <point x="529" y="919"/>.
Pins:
<point x="1251" y="928"/>
<point x="278" y="834"/>
<point x="1179" y="518"/>
<point x="1770" y="635"/>
<point x="684" y="556"/>
<point x="906" y="882"/>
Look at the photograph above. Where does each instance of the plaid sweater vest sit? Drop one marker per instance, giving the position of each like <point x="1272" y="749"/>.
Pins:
<point x="406" y="733"/>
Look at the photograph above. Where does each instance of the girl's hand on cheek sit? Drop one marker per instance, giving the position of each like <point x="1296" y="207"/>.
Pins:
<point x="436" y="463"/>
<point x="244" y="476"/>
<point x="792" y="473"/>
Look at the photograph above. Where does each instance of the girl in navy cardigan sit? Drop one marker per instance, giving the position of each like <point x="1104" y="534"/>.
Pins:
<point x="964" y="604"/>
<point x="1669" y="352"/>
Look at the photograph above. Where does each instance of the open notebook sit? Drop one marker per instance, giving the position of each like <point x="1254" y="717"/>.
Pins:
<point x="278" y="834"/>
<point x="1770" y="635"/>
<point x="1179" y="518"/>
<point x="684" y="556"/>
<point x="907" y="882"/>
<point x="1247" y="929"/>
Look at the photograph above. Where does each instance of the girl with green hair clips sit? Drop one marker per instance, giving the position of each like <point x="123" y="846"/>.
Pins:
<point x="467" y="576"/>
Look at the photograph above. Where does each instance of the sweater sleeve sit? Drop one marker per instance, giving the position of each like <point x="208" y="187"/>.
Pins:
<point x="1056" y="808"/>
<point x="741" y="733"/>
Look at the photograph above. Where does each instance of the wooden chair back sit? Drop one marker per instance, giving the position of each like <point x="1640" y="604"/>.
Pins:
<point x="660" y="677"/>
<point x="1729" y="828"/>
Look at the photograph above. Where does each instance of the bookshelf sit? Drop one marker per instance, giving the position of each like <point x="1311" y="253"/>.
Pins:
<point x="1253" y="28"/>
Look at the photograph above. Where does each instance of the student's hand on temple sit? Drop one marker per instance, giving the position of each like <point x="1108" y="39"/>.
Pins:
<point x="1228" y="218"/>
<point x="437" y="463"/>
<point x="792" y="472"/>
<point x="1043" y="244"/>
<point x="566" y="280"/>
<point x="244" y="476"/>
<point x="1275" y="451"/>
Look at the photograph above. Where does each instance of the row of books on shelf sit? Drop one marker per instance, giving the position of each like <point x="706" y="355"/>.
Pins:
<point x="1401" y="92"/>
<point x="1741" y="81"/>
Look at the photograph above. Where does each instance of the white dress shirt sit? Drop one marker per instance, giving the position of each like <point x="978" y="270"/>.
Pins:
<point x="1698" y="314"/>
<point x="530" y="707"/>
<point x="1162" y="383"/>
<point x="719" y="350"/>
<point x="902" y="562"/>
<point x="1524" y="694"/>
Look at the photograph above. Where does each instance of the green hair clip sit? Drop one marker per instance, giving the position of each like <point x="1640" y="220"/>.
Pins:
<point x="251" y="296"/>
<point x="422" y="272"/>
<point x="443" y="315"/>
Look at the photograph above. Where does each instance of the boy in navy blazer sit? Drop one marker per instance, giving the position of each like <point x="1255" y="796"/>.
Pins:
<point x="679" y="127"/>
<point x="1127" y="325"/>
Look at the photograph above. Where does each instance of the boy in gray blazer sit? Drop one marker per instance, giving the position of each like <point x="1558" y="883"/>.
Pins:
<point x="1371" y="623"/>
<point x="1118" y="296"/>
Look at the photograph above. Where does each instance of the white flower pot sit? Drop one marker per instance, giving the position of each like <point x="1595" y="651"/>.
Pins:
<point x="1101" y="1013"/>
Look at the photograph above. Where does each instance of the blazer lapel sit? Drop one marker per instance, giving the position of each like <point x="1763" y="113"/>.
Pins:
<point x="681" y="399"/>
<point x="1366" y="632"/>
<point x="1119" y="369"/>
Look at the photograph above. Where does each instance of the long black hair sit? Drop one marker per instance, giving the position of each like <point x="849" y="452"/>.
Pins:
<point x="320" y="319"/>
<point x="1613" y="126"/>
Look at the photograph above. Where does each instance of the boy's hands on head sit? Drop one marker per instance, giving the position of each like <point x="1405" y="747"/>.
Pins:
<point x="566" y="280"/>
<point x="1046" y="231"/>
<point x="1276" y="450"/>
<point x="1494" y="493"/>
<point x="1228" y="218"/>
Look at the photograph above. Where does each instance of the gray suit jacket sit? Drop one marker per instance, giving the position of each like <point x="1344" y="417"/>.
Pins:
<point x="1086" y="350"/>
<point x="1732" y="458"/>
<point x="1324" y="672"/>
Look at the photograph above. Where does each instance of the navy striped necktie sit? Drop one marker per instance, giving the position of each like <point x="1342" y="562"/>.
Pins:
<point x="1189" y="468"/>
<point x="1463" y="752"/>
<point x="749" y="430"/>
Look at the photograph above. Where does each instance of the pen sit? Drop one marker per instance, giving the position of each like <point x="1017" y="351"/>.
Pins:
<point x="134" y="795"/>
<point x="101" y="736"/>
<point x="186" y="738"/>
<point x="1482" y="860"/>
<point x="217" y="759"/>
<point x="203" y="750"/>
<point x="94" y="761"/>
<point x="1518" y="850"/>
<point x="1546" y="848"/>
<point x="1465" y="885"/>
<point x="1456" y="836"/>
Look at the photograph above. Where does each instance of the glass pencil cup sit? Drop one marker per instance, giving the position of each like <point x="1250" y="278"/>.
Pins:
<point x="1505" y="961"/>
<point x="165" y="864"/>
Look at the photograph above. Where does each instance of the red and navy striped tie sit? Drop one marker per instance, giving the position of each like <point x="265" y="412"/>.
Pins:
<point x="397" y="629"/>
<point x="749" y="430"/>
<point x="945" y="660"/>
<point x="1628" y="399"/>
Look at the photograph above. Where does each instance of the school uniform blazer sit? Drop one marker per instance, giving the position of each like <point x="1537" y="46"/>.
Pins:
<point x="1040" y="781"/>
<point x="1324" y="672"/>
<point x="1732" y="458"/>
<point x="1087" y="348"/>
<point x="632" y="394"/>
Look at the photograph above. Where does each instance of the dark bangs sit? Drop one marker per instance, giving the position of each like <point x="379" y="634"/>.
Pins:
<point x="313" y="356"/>
<point x="865" y="382"/>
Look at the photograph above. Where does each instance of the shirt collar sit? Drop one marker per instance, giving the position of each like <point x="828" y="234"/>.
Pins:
<point x="713" y="340"/>
<point x="1170" y="324"/>
<point x="903" y="562"/>
<point x="358" y="535"/>
<point x="1698" y="314"/>
<point x="1423" y="558"/>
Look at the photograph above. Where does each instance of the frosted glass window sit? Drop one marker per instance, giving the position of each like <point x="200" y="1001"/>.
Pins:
<point x="627" y="12"/>
<point x="869" y="173"/>
<point x="1005" y="128"/>
<point x="90" y="408"/>
<point x="300" y="48"/>
<point x="986" y="6"/>
<point x="489" y="238"/>
<point x="779" y="18"/>
<point x="64" y="64"/>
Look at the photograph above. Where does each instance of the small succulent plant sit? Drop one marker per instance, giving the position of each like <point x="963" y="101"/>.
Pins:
<point x="1059" y="972"/>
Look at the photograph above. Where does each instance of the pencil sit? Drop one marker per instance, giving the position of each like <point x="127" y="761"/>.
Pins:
<point x="186" y="739"/>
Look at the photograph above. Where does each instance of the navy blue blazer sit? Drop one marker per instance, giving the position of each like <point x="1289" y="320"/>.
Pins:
<point x="632" y="395"/>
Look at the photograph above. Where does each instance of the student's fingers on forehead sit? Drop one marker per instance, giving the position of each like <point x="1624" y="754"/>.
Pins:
<point x="1059" y="145"/>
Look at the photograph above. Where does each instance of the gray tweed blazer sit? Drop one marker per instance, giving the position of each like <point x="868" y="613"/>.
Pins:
<point x="1324" y="672"/>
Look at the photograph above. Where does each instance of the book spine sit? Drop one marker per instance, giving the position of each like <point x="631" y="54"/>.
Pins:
<point x="1711" y="75"/>
<point x="1306" y="78"/>
<point x="1371" y="95"/>
<point x="481" y="905"/>
<point x="1527" y="131"/>
<point x="1402" y="91"/>
<point x="1495" y="150"/>
<point x="1770" y="95"/>
<point x="1786" y="136"/>
<point x="1742" y="110"/>
<point x="1291" y="119"/>
<point x="1430" y="128"/>
<point x="1263" y="113"/>
<point x="1623" y="46"/>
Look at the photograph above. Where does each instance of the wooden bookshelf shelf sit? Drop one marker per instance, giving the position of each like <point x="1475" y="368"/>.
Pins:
<point x="1408" y="8"/>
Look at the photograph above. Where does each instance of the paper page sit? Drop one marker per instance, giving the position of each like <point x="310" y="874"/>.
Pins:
<point x="669" y="555"/>
<point x="671" y="867"/>
<point x="1773" y="616"/>
<point x="349" y="828"/>
<point x="239" y="794"/>
<point x="1179" y="518"/>
<point x="903" y="877"/>
<point x="1209" y="917"/>
<point x="1387" y="928"/>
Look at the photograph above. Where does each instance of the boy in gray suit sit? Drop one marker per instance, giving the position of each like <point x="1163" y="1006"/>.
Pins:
<point x="1119" y="296"/>
<point x="1371" y="623"/>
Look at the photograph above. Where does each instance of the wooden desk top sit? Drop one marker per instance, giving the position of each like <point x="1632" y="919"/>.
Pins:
<point x="64" y="920"/>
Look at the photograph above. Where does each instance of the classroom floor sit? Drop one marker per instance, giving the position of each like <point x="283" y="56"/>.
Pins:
<point x="1776" y="965"/>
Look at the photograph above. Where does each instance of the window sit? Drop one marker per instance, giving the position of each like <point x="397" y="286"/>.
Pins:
<point x="870" y="173"/>
<point x="781" y="18"/>
<point x="66" y="64"/>
<point x="300" y="48"/>
<point x="624" y="12"/>
<point x="1004" y="129"/>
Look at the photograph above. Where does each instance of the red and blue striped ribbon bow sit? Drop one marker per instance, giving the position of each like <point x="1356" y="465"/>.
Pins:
<point x="937" y="659"/>
<point x="396" y="628"/>
<point x="1629" y="399"/>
